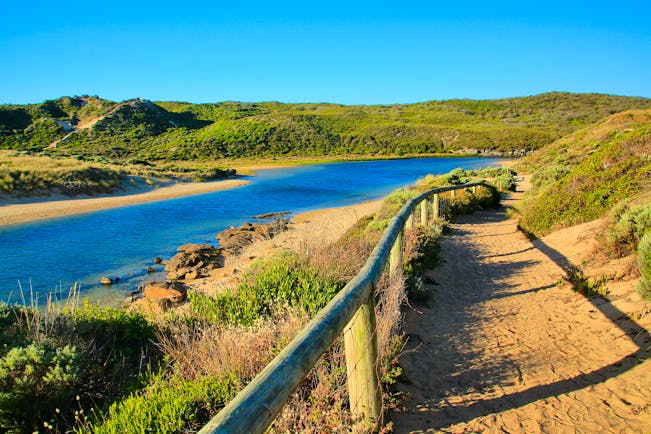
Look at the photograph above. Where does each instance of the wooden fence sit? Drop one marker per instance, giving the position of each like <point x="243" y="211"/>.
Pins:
<point x="351" y="311"/>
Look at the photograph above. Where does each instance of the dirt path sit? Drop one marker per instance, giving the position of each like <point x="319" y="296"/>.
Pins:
<point x="505" y="348"/>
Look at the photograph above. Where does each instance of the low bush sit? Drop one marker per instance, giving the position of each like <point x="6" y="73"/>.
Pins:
<point x="278" y="283"/>
<point x="628" y="224"/>
<point x="34" y="381"/>
<point x="581" y="177"/>
<point x="390" y="207"/>
<point x="166" y="405"/>
<point x="467" y="202"/>
<point x="54" y="361"/>
<point x="644" y="265"/>
<point x="421" y="253"/>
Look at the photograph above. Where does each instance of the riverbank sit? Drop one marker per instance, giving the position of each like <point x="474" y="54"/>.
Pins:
<point x="16" y="211"/>
<point x="23" y="210"/>
<point x="249" y="167"/>
<point x="307" y="232"/>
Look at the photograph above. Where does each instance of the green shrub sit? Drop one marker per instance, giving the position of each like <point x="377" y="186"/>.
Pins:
<point x="548" y="175"/>
<point x="92" y="353"/>
<point x="628" y="226"/>
<point x="167" y="405"/>
<point x="34" y="381"/>
<point x="280" y="282"/>
<point x="390" y="207"/>
<point x="467" y="202"/>
<point x="601" y="173"/>
<point x="644" y="265"/>
<point x="421" y="254"/>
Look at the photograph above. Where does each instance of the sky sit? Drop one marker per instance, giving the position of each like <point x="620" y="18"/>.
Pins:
<point x="342" y="52"/>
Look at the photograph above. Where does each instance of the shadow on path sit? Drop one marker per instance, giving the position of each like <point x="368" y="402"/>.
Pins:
<point x="461" y="377"/>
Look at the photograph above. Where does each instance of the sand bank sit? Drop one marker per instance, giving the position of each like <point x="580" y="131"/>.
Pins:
<point x="32" y="209"/>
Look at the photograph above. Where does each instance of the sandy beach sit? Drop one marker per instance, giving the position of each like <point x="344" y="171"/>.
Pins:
<point x="32" y="209"/>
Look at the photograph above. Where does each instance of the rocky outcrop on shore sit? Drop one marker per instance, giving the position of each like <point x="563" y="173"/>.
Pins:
<point x="194" y="261"/>
<point x="233" y="240"/>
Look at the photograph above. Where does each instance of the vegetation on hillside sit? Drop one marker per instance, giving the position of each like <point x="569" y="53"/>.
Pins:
<point x="24" y="175"/>
<point x="580" y="177"/>
<point x="181" y="131"/>
<point x="600" y="171"/>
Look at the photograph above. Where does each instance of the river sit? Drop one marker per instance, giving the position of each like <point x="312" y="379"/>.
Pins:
<point x="51" y="256"/>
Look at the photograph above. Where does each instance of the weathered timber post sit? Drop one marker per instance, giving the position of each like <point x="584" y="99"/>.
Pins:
<point x="423" y="213"/>
<point x="436" y="206"/>
<point x="361" y="357"/>
<point x="395" y="257"/>
<point x="474" y="189"/>
<point x="453" y="193"/>
<point x="410" y="221"/>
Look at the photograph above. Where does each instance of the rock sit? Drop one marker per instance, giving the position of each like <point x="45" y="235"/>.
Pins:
<point x="151" y="270"/>
<point x="106" y="281"/>
<point x="194" y="258"/>
<point x="271" y="215"/>
<point x="174" y="293"/>
<point x="192" y="275"/>
<point x="233" y="240"/>
<point x="158" y="260"/>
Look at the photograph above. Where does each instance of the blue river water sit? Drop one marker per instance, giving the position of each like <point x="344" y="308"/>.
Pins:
<point x="51" y="256"/>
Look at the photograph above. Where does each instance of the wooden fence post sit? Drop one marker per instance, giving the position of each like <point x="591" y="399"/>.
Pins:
<point x="435" y="206"/>
<point x="453" y="193"/>
<point x="360" y="343"/>
<point x="423" y="213"/>
<point x="395" y="257"/>
<point x="410" y="221"/>
<point x="474" y="189"/>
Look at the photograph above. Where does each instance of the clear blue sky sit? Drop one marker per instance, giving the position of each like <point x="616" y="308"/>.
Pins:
<point x="342" y="52"/>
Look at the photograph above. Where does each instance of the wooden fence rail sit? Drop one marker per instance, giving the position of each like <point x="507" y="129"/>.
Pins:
<point x="352" y="310"/>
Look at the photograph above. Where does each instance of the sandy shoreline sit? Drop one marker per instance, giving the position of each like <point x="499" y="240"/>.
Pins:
<point x="26" y="210"/>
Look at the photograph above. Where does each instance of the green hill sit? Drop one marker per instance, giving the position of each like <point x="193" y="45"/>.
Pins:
<point x="166" y="131"/>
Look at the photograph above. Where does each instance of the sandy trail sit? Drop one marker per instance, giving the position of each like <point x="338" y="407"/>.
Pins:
<point x="505" y="348"/>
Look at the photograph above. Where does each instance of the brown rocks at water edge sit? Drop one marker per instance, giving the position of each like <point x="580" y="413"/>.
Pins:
<point x="193" y="261"/>
<point x="172" y="292"/>
<point x="233" y="240"/>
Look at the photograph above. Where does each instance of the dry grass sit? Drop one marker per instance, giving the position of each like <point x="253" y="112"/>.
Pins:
<point x="391" y="298"/>
<point x="11" y="160"/>
<point x="211" y="349"/>
<point x="321" y="402"/>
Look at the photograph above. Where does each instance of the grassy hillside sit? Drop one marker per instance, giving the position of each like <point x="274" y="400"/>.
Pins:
<point x="583" y="175"/>
<point x="168" y="131"/>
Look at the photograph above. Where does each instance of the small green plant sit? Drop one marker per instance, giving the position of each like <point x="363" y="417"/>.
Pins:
<point x="56" y="359"/>
<point x="581" y="283"/>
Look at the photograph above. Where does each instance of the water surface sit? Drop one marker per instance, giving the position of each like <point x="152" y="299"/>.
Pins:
<point x="52" y="255"/>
